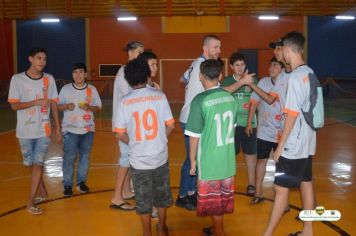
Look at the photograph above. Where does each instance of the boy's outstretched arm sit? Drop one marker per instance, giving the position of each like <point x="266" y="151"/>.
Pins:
<point x="193" y="142"/>
<point x="265" y="96"/>
<point x="247" y="79"/>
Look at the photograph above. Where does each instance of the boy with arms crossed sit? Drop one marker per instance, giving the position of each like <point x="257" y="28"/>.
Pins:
<point x="212" y="151"/>
<point x="143" y="121"/>
<point x="32" y="93"/>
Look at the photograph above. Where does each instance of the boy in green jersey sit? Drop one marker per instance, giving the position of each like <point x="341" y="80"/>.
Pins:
<point x="242" y="97"/>
<point x="212" y="149"/>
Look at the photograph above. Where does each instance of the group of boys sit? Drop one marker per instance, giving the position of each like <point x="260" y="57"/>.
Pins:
<point x="216" y="121"/>
<point x="33" y="94"/>
<point x="281" y="128"/>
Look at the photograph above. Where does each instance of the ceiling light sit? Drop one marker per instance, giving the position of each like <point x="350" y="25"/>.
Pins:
<point x="50" y="20"/>
<point x="127" y="18"/>
<point x="345" y="17"/>
<point x="268" y="17"/>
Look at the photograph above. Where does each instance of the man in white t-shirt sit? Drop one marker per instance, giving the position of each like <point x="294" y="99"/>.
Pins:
<point x="78" y="101"/>
<point x="33" y="94"/>
<point x="122" y="190"/>
<point x="143" y="122"/>
<point x="298" y="140"/>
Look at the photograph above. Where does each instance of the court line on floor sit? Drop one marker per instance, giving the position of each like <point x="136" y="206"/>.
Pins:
<point x="327" y="223"/>
<point x="8" y="131"/>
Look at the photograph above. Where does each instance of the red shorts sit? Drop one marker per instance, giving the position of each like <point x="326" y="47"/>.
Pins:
<point x="215" y="197"/>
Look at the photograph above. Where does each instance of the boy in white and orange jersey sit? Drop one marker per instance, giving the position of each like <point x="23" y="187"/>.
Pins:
<point x="78" y="101"/>
<point x="122" y="190"/>
<point x="143" y="121"/>
<point x="32" y="93"/>
<point x="297" y="144"/>
<point x="268" y="125"/>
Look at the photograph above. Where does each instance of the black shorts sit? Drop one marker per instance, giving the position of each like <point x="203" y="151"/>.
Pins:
<point x="248" y="144"/>
<point x="264" y="148"/>
<point x="152" y="188"/>
<point x="290" y="173"/>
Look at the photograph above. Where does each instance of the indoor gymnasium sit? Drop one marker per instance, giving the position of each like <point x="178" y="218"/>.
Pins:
<point x="177" y="117"/>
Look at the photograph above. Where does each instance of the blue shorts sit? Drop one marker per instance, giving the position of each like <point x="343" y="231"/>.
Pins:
<point x="124" y="155"/>
<point x="34" y="150"/>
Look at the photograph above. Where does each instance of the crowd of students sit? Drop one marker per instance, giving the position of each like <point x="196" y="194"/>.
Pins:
<point x="218" y="120"/>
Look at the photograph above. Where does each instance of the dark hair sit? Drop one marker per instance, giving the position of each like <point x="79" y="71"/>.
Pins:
<point x="273" y="59"/>
<point x="137" y="72"/>
<point x="147" y="55"/>
<point x="211" y="68"/>
<point x="236" y="56"/>
<point x="209" y="37"/>
<point x="79" y="65"/>
<point x="131" y="45"/>
<point x="295" y="40"/>
<point x="35" y="50"/>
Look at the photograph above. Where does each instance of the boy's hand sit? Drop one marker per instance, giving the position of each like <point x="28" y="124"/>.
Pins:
<point x="277" y="153"/>
<point x="247" y="78"/>
<point x="84" y="106"/>
<point x="43" y="102"/>
<point x="248" y="130"/>
<point x="193" y="167"/>
<point x="70" y="106"/>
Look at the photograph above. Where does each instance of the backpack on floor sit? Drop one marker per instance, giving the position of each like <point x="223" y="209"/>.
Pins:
<point x="315" y="115"/>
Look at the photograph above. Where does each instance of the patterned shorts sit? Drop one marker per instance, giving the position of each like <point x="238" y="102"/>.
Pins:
<point x="152" y="189"/>
<point x="215" y="197"/>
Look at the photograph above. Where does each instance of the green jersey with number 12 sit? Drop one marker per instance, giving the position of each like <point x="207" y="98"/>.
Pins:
<point x="212" y="119"/>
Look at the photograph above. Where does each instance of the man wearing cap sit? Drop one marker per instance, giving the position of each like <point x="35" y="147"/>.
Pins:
<point x="123" y="178"/>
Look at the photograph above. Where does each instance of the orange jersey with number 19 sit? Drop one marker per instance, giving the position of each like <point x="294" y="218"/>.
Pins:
<point x="143" y="114"/>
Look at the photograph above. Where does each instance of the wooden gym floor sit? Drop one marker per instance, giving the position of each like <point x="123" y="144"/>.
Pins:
<point x="89" y="214"/>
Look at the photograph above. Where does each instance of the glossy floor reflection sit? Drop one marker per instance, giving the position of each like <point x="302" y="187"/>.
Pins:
<point x="333" y="167"/>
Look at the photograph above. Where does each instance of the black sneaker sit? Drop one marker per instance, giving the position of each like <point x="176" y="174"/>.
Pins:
<point x="183" y="202"/>
<point x="192" y="199"/>
<point x="67" y="191"/>
<point x="250" y="190"/>
<point x="82" y="188"/>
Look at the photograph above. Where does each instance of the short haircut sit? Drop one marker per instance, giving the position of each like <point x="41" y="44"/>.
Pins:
<point x="273" y="59"/>
<point x="147" y="55"/>
<point x="35" y="50"/>
<point x="131" y="45"/>
<point x="210" y="37"/>
<point x="295" y="40"/>
<point x="137" y="72"/>
<point x="79" y="65"/>
<point x="236" y="56"/>
<point x="211" y="68"/>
